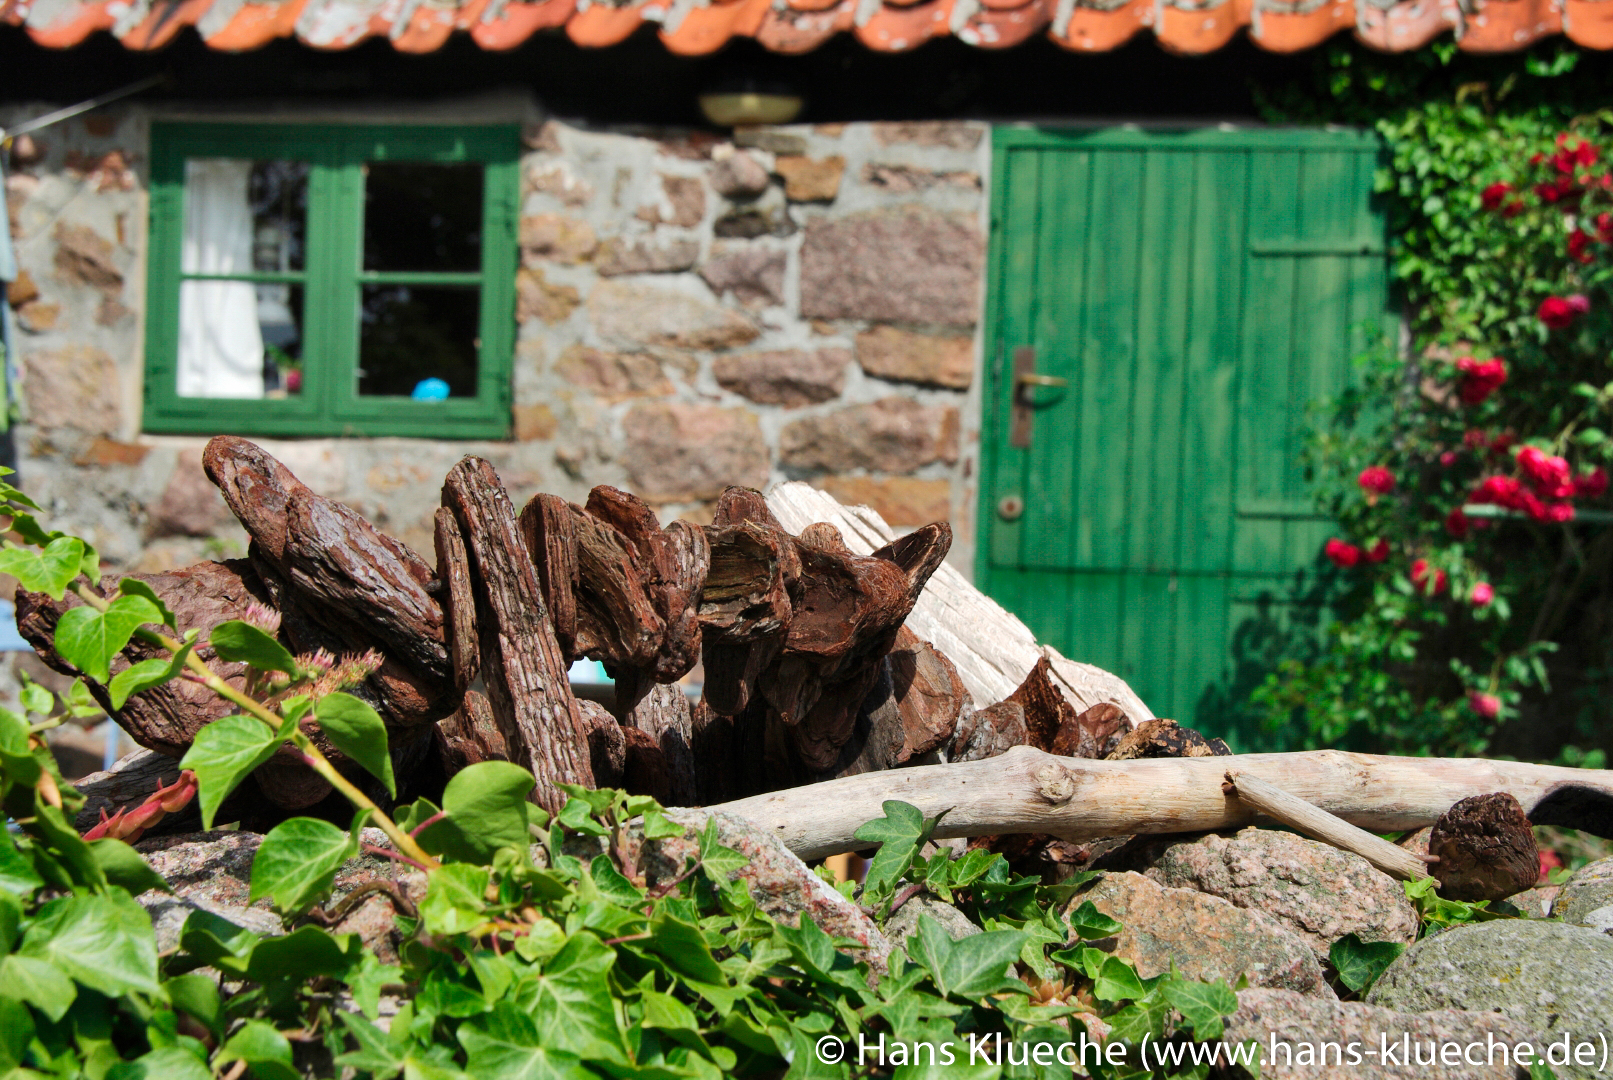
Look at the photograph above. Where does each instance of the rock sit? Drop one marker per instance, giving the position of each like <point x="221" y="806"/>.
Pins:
<point x="1302" y="1037"/>
<point x="168" y="915"/>
<point x="536" y="298"/>
<point x="810" y="179"/>
<point x="1317" y="891"/>
<point x="613" y="376"/>
<point x="556" y="238"/>
<point x="37" y="317"/>
<point x="1536" y="903"/>
<point x="559" y="182"/>
<point x="891" y="435"/>
<point x="900" y="500"/>
<point x="1586" y="898"/>
<point x="772" y="140"/>
<point x="749" y="222"/>
<point x="901" y="925"/>
<point x="643" y="255"/>
<point x="680" y="453"/>
<point x="76" y="386"/>
<point x="84" y="256"/>
<point x="212" y="869"/>
<point x="111" y="452"/>
<point x="903" y="356"/>
<point x="22" y="291"/>
<point x="951" y="134"/>
<point x="684" y="204"/>
<point x="905" y="179"/>
<point x="534" y="422"/>
<point x="754" y="275"/>
<point x="190" y="505"/>
<point x="1206" y="936"/>
<point x="642" y="315"/>
<point x="110" y="312"/>
<point x="1555" y="978"/>
<point x="789" y="377"/>
<point x="780" y="883"/>
<point x="737" y="176"/>
<point x="908" y="265"/>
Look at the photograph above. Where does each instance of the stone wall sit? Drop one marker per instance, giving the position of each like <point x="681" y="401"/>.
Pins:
<point x="798" y="303"/>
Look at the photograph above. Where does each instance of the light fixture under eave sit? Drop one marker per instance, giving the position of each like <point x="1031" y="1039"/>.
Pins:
<point x="750" y="107"/>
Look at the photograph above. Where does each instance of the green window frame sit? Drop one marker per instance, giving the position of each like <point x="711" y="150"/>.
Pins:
<point x="333" y="278"/>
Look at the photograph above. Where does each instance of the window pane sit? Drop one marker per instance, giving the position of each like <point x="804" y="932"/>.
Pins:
<point x="280" y="322"/>
<point x="422" y="217"/>
<point x="415" y="340"/>
<point x="243" y="216"/>
<point x="239" y="340"/>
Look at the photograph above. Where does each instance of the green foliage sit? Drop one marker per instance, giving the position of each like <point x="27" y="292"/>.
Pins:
<point x="1492" y="216"/>
<point x="1359" y="963"/>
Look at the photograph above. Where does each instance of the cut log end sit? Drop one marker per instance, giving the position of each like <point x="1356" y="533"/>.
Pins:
<point x="1486" y="849"/>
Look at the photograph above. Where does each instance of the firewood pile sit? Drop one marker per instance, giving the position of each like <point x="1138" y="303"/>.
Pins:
<point x="810" y="671"/>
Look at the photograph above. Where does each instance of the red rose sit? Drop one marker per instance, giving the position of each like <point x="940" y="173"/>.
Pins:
<point x="1342" y="554"/>
<point x="1513" y="208"/>
<point x="1486" y="705"/>
<point x="1376" y="480"/>
<point x="1456" y="523"/>
<point x="1556" y="312"/>
<point x="1502" y="442"/>
<point x="1557" y="513"/>
<point x="1579" y="244"/>
<point x="1480" y="378"/>
<point x="1482" y="594"/>
<point x="1592" y="485"/>
<point x="1604" y="227"/>
<point x="1473" y="438"/>
<point x="1493" y="196"/>
<point x="1579" y="303"/>
<point x="1501" y="490"/>
<point x="1424" y="582"/>
<point x="1378" y="552"/>
<point x="1548" y="475"/>
<point x="1448" y="458"/>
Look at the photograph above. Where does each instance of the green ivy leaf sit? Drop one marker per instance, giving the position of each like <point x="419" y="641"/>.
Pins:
<point x="266" y="1052"/>
<point x="486" y="809"/>
<point x="1090" y="924"/>
<point x="657" y="826"/>
<point x="456" y="899"/>
<point x="366" y="981"/>
<point x="39" y="983"/>
<point x="974" y="967"/>
<point x="304" y="953"/>
<point x="683" y="947"/>
<point x="104" y="941"/>
<point x="900" y="834"/>
<point x="89" y="639"/>
<point x="146" y="675"/>
<point x="1202" y="1005"/>
<point x="613" y="884"/>
<point x="166" y="1063"/>
<point x="571" y="1002"/>
<point x="125" y="867"/>
<point x="1117" y="981"/>
<point x="134" y="587"/>
<point x="35" y="698"/>
<point x="237" y="642"/>
<point x="196" y="995"/>
<point x="505" y="1044"/>
<point x="224" y="752"/>
<point x="49" y="571"/>
<point x="376" y="1053"/>
<point x="357" y="731"/>
<point x="297" y="862"/>
<point x="1359" y="963"/>
<point x="81" y="704"/>
<point x="718" y="861"/>
<point x="216" y="942"/>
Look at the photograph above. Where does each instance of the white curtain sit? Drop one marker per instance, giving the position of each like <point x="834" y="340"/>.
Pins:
<point x="220" y="343"/>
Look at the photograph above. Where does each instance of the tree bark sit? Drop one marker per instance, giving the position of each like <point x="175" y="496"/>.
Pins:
<point x="521" y="662"/>
<point x="458" y="600"/>
<point x="1026" y="790"/>
<point x="1486" y="849"/>
<point x="664" y="716"/>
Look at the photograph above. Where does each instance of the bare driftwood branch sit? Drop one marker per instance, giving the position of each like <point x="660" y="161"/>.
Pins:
<point x="1318" y="824"/>
<point x="1026" y="790"/>
<point x="522" y="666"/>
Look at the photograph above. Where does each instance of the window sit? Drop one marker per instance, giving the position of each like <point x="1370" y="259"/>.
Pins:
<point x="334" y="280"/>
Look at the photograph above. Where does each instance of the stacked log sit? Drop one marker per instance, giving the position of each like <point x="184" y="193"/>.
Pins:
<point x="810" y="671"/>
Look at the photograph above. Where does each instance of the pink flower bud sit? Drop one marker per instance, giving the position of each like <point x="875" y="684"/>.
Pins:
<point x="1483" y="593"/>
<point x="1486" y="705"/>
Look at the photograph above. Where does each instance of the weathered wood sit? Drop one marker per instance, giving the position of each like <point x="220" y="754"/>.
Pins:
<point x="1047" y="713"/>
<point x="1318" y="824"/>
<point x="1093" y="734"/>
<point x="457" y="599"/>
<point x="745" y="607"/>
<point x="646" y="771"/>
<point x="929" y="694"/>
<point x="607" y="746"/>
<point x="1485" y="848"/>
<point x="991" y="649"/>
<point x="665" y="716"/>
<point x="1165" y="738"/>
<point x="1075" y="799"/>
<point x="548" y="527"/>
<point x="470" y="736"/>
<point x="522" y="666"/>
<point x="989" y="732"/>
<point x="256" y="487"/>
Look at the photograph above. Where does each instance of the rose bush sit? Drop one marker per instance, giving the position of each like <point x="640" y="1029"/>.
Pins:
<point x="1473" y="464"/>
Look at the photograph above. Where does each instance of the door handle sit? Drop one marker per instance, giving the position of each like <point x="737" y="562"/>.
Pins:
<point x="1023" y="408"/>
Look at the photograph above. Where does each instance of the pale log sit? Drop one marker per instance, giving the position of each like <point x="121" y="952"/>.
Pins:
<point x="1318" y="824"/>
<point x="1026" y="790"/>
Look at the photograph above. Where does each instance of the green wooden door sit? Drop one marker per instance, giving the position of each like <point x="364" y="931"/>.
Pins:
<point x="1195" y="291"/>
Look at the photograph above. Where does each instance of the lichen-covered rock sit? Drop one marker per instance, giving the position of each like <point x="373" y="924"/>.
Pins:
<point x="780" y="883"/>
<point x="754" y="275"/>
<point x="893" y="435"/>
<point x="1549" y="976"/>
<point x="1586" y="899"/>
<point x="637" y="315"/>
<point x="677" y="452"/>
<point x="76" y="386"/>
<point x="1302" y="1037"/>
<point x="788" y="377"/>
<point x="1207" y="937"/>
<point x="888" y="352"/>
<point x="900" y="926"/>
<point x="1316" y="890"/>
<point x="907" y="265"/>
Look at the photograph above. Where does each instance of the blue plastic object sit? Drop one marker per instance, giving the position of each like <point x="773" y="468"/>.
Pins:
<point x="430" y="390"/>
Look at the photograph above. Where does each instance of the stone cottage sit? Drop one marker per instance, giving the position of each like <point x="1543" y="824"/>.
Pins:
<point x="479" y="230"/>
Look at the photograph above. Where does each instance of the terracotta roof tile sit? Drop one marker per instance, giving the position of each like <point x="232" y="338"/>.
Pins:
<point x="696" y="27"/>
